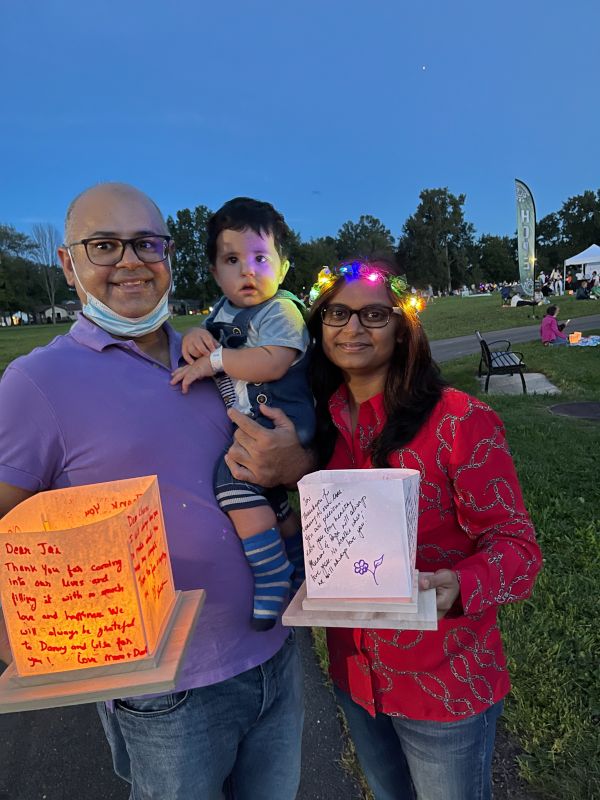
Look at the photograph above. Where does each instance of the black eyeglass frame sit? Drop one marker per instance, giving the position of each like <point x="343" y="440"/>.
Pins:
<point x="391" y="310"/>
<point x="124" y="242"/>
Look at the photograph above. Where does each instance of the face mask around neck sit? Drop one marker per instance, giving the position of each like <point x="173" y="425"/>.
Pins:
<point x="131" y="327"/>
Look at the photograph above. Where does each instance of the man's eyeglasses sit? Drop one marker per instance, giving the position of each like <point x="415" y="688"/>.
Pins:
<point x="338" y="315"/>
<point x="108" y="252"/>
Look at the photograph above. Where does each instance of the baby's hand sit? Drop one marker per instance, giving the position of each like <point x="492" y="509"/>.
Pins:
<point x="197" y="342"/>
<point x="192" y="372"/>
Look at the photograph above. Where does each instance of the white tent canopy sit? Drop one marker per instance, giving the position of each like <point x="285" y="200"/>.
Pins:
<point x="588" y="258"/>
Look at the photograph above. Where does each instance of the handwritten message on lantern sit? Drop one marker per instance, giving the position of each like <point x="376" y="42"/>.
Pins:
<point x="360" y="532"/>
<point x="85" y="576"/>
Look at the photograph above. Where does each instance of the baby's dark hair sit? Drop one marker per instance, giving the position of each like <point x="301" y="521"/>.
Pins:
<point x="244" y="212"/>
<point x="551" y="311"/>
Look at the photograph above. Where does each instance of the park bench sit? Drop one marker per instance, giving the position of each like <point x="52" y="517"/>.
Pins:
<point x="498" y="359"/>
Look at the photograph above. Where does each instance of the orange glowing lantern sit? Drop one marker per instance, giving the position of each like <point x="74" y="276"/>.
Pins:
<point x="575" y="337"/>
<point x="87" y="594"/>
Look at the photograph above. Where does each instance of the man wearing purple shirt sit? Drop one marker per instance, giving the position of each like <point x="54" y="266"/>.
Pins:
<point x="96" y="405"/>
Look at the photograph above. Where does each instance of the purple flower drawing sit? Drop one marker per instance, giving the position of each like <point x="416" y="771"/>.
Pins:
<point x="362" y="566"/>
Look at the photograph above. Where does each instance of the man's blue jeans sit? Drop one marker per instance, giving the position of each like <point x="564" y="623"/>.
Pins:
<point x="406" y="759"/>
<point x="238" y="739"/>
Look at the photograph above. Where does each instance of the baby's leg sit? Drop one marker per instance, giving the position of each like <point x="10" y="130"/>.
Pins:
<point x="256" y="525"/>
<point x="268" y="561"/>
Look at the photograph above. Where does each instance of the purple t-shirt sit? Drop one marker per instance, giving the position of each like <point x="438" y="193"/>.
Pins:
<point x="88" y="408"/>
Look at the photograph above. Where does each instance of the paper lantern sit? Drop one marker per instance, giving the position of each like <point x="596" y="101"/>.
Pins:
<point x="86" y="582"/>
<point x="359" y="529"/>
<point x="575" y="337"/>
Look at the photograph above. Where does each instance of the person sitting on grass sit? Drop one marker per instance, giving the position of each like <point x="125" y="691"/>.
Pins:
<point x="583" y="293"/>
<point x="255" y="344"/>
<point x="517" y="301"/>
<point x="550" y="330"/>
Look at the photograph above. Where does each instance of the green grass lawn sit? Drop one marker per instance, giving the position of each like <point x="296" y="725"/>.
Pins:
<point x="552" y="640"/>
<point x="22" y="339"/>
<point x="447" y="317"/>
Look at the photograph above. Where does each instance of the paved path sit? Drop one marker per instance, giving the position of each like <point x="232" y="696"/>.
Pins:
<point x="447" y="349"/>
<point x="62" y="753"/>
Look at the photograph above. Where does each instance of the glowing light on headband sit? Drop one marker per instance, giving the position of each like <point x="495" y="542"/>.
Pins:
<point x="355" y="271"/>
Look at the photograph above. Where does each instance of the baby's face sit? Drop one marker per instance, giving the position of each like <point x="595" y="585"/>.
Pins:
<point x="248" y="267"/>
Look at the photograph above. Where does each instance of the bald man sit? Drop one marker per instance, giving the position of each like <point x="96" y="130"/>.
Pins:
<point x="96" y="405"/>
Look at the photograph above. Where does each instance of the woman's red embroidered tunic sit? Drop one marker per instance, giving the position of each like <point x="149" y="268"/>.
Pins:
<point x="472" y="520"/>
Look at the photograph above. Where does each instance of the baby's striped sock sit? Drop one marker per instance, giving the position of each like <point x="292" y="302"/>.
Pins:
<point x="271" y="569"/>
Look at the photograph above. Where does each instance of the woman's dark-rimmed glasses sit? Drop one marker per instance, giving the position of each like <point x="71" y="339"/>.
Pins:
<point x="106" y="252"/>
<point x="337" y="315"/>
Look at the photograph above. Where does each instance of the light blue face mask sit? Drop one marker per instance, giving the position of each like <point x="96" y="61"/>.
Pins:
<point x="128" y="327"/>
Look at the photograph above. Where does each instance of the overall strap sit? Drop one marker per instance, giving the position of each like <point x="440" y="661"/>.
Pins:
<point x="216" y="308"/>
<point x="243" y="317"/>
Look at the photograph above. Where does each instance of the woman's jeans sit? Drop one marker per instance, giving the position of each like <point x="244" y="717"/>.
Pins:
<point x="405" y="759"/>
<point x="238" y="739"/>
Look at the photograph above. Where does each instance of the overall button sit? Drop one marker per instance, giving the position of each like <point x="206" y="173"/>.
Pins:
<point x="236" y="330"/>
<point x="261" y="398"/>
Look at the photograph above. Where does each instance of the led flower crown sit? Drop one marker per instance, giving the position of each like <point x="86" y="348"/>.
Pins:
<point x="354" y="271"/>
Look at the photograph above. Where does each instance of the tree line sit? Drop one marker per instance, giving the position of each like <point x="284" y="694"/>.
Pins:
<point x="30" y="276"/>
<point x="436" y="246"/>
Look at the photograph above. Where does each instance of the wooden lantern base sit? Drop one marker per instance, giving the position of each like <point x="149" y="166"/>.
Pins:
<point x="338" y="614"/>
<point x="152" y="676"/>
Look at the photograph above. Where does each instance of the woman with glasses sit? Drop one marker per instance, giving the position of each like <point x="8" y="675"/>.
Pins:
<point x="421" y="705"/>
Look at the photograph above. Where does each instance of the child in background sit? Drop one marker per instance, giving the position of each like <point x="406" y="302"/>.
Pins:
<point x="550" y="330"/>
<point x="255" y="344"/>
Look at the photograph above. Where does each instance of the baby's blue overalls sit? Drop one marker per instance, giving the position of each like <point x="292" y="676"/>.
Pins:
<point x="291" y="394"/>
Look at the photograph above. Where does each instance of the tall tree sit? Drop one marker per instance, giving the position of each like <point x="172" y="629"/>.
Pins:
<point x="551" y="249"/>
<point x="17" y="289"/>
<point x="20" y="288"/>
<point x="191" y="273"/>
<point x="367" y="237"/>
<point x="47" y="239"/>
<point x="575" y="226"/>
<point x="580" y="220"/>
<point x="496" y="259"/>
<point x="306" y="259"/>
<point x="437" y="242"/>
<point x="14" y="243"/>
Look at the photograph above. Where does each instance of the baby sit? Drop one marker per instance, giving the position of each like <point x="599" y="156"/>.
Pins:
<point x="255" y="344"/>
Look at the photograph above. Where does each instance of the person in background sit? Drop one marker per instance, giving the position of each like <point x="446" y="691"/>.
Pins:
<point x="569" y="283"/>
<point x="582" y="293"/>
<point x="551" y="331"/>
<point x="517" y="301"/>
<point x="556" y="281"/>
<point x="542" y="278"/>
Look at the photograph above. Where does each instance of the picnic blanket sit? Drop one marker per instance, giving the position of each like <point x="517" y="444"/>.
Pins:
<point x="587" y="341"/>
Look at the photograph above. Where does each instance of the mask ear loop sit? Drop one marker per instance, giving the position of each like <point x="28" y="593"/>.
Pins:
<point x="77" y="278"/>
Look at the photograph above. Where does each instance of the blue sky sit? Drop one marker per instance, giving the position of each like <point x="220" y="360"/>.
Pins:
<point x="327" y="108"/>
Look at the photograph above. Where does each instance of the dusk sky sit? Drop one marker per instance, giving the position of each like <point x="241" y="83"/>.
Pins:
<point x="327" y="108"/>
